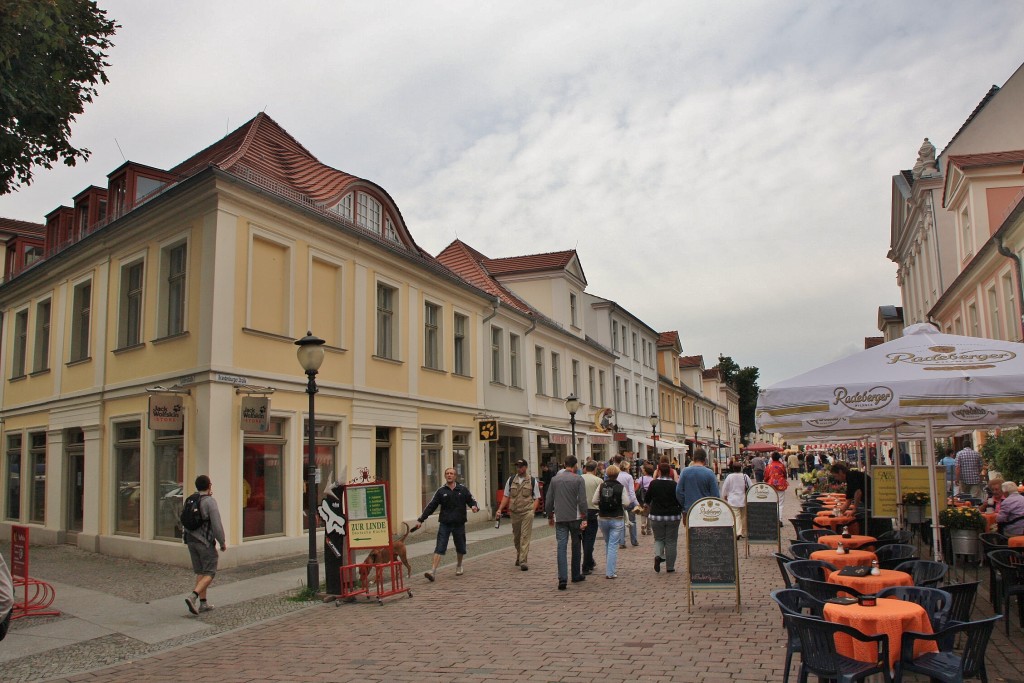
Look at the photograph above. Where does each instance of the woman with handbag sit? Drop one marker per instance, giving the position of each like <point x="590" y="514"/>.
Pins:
<point x="664" y="514"/>
<point x="734" y="490"/>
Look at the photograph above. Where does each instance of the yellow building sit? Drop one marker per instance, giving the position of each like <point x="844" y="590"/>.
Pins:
<point x="191" y="285"/>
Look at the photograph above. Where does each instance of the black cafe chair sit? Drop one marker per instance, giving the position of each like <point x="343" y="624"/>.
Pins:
<point x="812" y="535"/>
<point x="823" y="590"/>
<point x="782" y="559"/>
<point x="818" y="654"/>
<point x="795" y="601"/>
<point x="927" y="573"/>
<point x="799" y="524"/>
<point x="948" y="666"/>
<point x="964" y="596"/>
<point x="1009" y="566"/>
<point x="889" y="556"/>
<point x="802" y="551"/>
<point x="937" y="603"/>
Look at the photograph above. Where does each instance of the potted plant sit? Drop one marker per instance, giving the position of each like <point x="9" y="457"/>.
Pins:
<point x="914" y="504"/>
<point x="1005" y="453"/>
<point x="964" y="524"/>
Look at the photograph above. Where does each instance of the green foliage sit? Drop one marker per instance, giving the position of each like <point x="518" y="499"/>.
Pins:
<point x="918" y="498"/>
<point x="746" y="386"/>
<point x="728" y="367"/>
<point x="1005" y="453"/>
<point x="962" y="518"/>
<point x="51" y="60"/>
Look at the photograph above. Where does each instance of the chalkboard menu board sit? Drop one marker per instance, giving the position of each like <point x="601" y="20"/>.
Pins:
<point x="712" y="552"/>
<point x="762" y="515"/>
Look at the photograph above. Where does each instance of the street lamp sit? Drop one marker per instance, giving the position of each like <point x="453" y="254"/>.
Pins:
<point x="572" y="404"/>
<point x="311" y="356"/>
<point x="718" y="433"/>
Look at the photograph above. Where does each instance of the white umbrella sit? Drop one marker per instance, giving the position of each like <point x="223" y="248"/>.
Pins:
<point x="924" y="380"/>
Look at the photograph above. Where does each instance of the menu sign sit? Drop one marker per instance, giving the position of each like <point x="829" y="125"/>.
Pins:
<point x="711" y="548"/>
<point x="367" y="515"/>
<point x="762" y="515"/>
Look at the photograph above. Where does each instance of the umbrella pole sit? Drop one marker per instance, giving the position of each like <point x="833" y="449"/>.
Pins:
<point x="930" y="449"/>
<point x="896" y="470"/>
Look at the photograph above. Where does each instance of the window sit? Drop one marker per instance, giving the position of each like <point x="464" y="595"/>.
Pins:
<point x="646" y="361"/>
<point x="513" y="361"/>
<point x="459" y="344"/>
<point x="325" y="463"/>
<point x="538" y="353"/>
<point x="172" y="268"/>
<point x="497" y="356"/>
<point x="431" y="471"/>
<point x="972" y="320"/>
<point x="1012" y="323"/>
<point x="460" y="456"/>
<point x="12" y="477"/>
<point x="593" y="386"/>
<point x="431" y="336"/>
<point x="385" y="321"/>
<point x="958" y="325"/>
<point x="263" y="481"/>
<point x="576" y="378"/>
<point x="573" y="312"/>
<point x="636" y="352"/>
<point x="344" y="207"/>
<point x="390" y="233"/>
<point x="995" y="322"/>
<point x="168" y="482"/>
<point x="965" y="235"/>
<point x="636" y="391"/>
<point x="37" y="491"/>
<point x="615" y="335"/>
<point x="556" y="375"/>
<point x="42" y="341"/>
<point x="600" y="384"/>
<point x="127" y="473"/>
<point x="618" y="390"/>
<point x="20" y="342"/>
<point x="130" y="330"/>
<point x="368" y="213"/>
<point x="625" y="395"/>
<point x="74" y="457"/>
<point x="32" y="254"/>
<point x="81" y="302"/>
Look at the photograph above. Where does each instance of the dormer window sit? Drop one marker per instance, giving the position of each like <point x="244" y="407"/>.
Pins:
<point x="389" y="230"/>
<point x="368" y="215"/>
<point x="344" y="207"/>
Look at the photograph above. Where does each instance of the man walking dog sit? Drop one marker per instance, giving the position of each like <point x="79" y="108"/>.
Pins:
<point x="202" y="531"/>
<point x="453" y="499"/>
<point x="522" y="498"/>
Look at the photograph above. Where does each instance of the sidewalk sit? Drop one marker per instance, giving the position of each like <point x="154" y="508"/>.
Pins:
<point x="115" y="609"/>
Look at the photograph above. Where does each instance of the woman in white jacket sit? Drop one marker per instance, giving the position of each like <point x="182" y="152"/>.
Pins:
<point x="734" y="491"/>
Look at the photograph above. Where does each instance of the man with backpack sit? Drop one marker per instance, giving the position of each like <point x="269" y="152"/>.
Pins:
<point x="202" y="531"/>
<point x="521" y="499"/>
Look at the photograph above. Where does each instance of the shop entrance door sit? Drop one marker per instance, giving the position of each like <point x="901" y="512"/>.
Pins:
<point x="75" y="495"/>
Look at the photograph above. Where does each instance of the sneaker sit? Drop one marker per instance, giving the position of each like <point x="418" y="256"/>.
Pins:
<point x="205" y="606"/>
<point x="561" y="585"/>
<point x="458" y="571"/>
<point x="579" y="578"/>
<point x="190" y="602"/>
<point x="429" y="575"/>
<point x="613" y="576"/>
<point x="523" y="567"/>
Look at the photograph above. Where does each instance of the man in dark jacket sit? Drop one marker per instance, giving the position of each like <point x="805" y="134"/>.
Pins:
<point x="453" y="499"/>
<point x="202" y="546"/>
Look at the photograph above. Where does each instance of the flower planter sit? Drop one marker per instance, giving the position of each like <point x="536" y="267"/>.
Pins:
<point x="914" y="514"/>
<point x="966" y="542"/>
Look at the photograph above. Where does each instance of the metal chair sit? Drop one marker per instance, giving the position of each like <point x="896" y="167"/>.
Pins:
<point x="802" y="551"/>
<point x="1009" y="566"/>
<point x="818" y="570"/>
<point x="812" y="535"/>
<point x="937" y="603"/>
<point x="946" y="665"/>
<point x="926" y="573"/>
<point x="782" y="559"/>
<point x="891" y="555"/>
<point x="795" y="601"/>
<point x="822" y="590"/>
<point x="818" y="653"/>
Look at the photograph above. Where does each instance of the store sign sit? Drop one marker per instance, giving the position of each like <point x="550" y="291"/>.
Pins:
<point x="166" y="412"/>
<point x="621" y="436"/>
<point x="560" y="438"/>
<point x="487" y="430"/>
<point x="255" y="414"/>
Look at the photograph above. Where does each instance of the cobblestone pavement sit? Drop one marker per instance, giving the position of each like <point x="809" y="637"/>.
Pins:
<point x="498" y="623"/>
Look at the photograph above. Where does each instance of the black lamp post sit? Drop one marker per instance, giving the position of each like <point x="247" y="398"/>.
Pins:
<point x="718" y="434"/>
<point x="693" y="451"/>
<point x="654" y="433"/>
<point x="572" y="404"/>
<point x="311" y="356"/>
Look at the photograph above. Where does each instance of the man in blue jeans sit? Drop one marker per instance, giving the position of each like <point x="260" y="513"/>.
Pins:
<point x="453" y="499"/>
<point x="566" y="507"/>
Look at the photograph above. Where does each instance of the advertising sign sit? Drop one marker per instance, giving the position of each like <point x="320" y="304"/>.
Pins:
<point x="487" y="430"/>
<point x="19" y="551"/>
<point x="711" y="548"/>
<point x="255" y="414"/>
<point x="912" y="478"/>
<point x="762" y="515"/>
<point x="166" y="412"/>
<point x="367" y="516"/>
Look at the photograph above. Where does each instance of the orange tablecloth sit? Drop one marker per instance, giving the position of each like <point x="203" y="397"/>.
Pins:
<point x="851" y="558"/>
<point x="889" y="616"/>
<point x="836" y="522"/>
<point x="990" y="520"/>
<point x="851" y="542"/>
<point x="1016" y="542"/>
<point x="872" y="584"/>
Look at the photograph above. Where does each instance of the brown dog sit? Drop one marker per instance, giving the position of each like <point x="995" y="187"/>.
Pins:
<point x="384" y="556"/>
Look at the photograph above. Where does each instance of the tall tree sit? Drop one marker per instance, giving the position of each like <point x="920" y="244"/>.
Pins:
<point x="746" y="386"/>
<point x="51" y="60"/>
<point x="728" y="368"/>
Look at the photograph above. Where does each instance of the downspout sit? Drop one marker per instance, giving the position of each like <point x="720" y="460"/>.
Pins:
<point x="1017" y="266"/>
<point x="494" y="309"/>
<point x="533" y="325"/>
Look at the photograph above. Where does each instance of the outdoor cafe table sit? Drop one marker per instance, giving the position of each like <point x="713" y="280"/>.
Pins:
<point x="888" y="616"/>
<point x="871" y="585"/>
<point x="1016" y="542"/>
<point x="851" y="558"/>
<point x="836" y="523"/>
<point x="851" y="542"/>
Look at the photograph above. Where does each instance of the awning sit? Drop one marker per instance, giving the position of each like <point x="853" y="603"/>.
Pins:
<point x="668" y="443"/>
<point x="557" y="435"/>
<point x="518" y="425"/>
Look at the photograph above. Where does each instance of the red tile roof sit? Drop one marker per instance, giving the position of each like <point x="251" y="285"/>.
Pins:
<point x="669" y="339"/>
<point x="469" y="264"/>
<point x="22" y="227"/>
<point x="987" y="159"/>
<point x="872" y="342"/>
<point x="712" y="373"/>
<point x="532" y="263"/>
<point x="691" y="361"/>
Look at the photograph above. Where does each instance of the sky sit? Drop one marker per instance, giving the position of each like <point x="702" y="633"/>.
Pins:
<point x="723" y="169"/>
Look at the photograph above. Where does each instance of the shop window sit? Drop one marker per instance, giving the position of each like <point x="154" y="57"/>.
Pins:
<point x="326" y="434"/>
<point x="169" y="482"/>
<point x="460" y="456"/>
<point x="37" y="492"/>
<point x="12" y="477"/>
<point x="127" y="473"/>
<point x="263" y="482"/>
<point x="431" y="471"/>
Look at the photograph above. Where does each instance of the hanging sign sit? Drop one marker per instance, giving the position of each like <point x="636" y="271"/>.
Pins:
<point x="166" y="412"/>
<point x="255" y="414"/>
<point x="487" y="430"/>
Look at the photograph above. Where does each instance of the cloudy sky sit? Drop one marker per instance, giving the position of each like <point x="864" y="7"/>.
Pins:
<point x="722" y="168"/>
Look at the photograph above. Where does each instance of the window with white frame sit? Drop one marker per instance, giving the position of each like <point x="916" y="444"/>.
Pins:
<point x="130" y="318"/>
<point x="514" y="370"/>
<point x="538" y="352"/>
<point x="459" y="344"/>
<point x="344" y="207"/>
<point x="615" y="335"/>
<point x="576" y="378"/>
<point x="972" y="320"/>
<point x="966" y="240"/>
<point x="636" y="395"/>
<point x="431" y="469"/>
<point x="497" y="354"/>
<point x="625" y="395"/>
<point x="1010" y="309"/>
<point x="41" y="358"/>
<point x="432" y="336"/>
<point x="173" y="266"/>
<point x="573" y="312"/>
<point x="600" y="385"/>
<point x="593" y="385"/>
<point x="636" y="351"/>
<point x="127" y="477"/>
<point x="994" y="321"/>
<point x="618" y="393"/>
<point x="368" y="213"/>
<point x="81" y="309"/>
<point x="556" y="375"/>
<point x="387" y="300"/>
<point x="20" y="343"/>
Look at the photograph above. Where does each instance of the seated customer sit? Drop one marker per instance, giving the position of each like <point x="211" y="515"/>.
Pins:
<point x="994" y="493"/>
<point x="1011" y="511"/>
